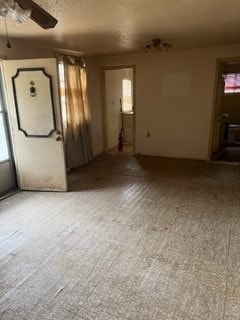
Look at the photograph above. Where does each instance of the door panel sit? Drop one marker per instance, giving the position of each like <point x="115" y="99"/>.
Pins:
<point x="40" y="160"/>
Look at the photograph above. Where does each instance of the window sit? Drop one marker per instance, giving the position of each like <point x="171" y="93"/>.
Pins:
<point x="232" y="83"/>
<point x="127" y="105"/>
<point x="62" y="95"/>
<point x="4" y="155"/>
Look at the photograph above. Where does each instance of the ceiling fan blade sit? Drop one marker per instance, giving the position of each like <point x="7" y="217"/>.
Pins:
<point x="38" y="14"/>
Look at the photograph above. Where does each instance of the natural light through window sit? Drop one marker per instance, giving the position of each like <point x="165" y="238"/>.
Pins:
<point x="62" y="94"/>
<point x="3" y="139"/>
<point x="127" y="105"/>
<point x="232" y="83"/>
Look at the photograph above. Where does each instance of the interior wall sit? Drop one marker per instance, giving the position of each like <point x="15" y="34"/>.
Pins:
<point x="174" y="99"/>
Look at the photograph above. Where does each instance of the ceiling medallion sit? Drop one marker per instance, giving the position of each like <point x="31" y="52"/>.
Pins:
<point x="157" y="45"/>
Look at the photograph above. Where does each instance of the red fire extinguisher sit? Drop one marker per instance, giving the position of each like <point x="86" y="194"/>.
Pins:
<point x="120" y="141"/>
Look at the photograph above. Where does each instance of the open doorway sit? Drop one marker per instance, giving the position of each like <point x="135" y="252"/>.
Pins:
<point x="119" y="113"/>
<point x="226" y="133"/>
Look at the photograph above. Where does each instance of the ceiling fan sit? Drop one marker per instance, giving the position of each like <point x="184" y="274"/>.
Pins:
<point x="38" y="14"/>
<point x="21" y="11"/>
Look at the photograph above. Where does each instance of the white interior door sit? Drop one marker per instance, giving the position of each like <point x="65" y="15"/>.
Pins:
<point x="35" y="117"/>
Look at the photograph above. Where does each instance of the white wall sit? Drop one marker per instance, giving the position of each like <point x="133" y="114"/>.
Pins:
<point x="174" y="95"/>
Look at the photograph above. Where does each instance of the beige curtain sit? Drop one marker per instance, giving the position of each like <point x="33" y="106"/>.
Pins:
<point x="78" y="129"/>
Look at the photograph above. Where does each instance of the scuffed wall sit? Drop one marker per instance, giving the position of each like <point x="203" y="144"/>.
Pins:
<point x="174" y="99"/>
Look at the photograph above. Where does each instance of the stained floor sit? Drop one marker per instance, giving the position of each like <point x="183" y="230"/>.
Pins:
<point x="137" y="238"/>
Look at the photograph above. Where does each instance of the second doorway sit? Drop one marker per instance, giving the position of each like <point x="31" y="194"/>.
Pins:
<point x="119" y="115"/>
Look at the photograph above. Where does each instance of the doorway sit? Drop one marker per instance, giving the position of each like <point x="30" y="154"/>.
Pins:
<point x="226" y="133"/>
<point x="8" y="181"/>
<point x="119" y="110"/>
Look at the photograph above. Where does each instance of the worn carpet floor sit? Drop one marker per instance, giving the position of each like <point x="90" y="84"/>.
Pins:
<point x="137" y="238"/>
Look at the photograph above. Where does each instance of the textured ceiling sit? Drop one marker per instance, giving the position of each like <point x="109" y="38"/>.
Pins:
<point x="124" y="26"/>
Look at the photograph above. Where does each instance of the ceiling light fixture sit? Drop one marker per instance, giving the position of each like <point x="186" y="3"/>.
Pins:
<point x="157" y="45"/>
<point x="11" y="8"/>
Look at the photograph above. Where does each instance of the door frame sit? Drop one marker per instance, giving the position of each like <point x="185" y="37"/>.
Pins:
<point x="104" y="107"/>
<point x="7" y="127"/>
<point x="212" y="137"/>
